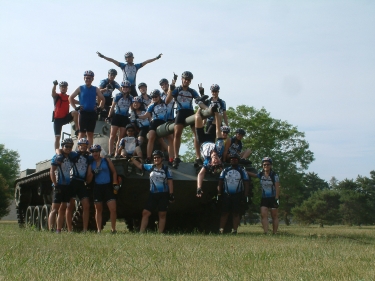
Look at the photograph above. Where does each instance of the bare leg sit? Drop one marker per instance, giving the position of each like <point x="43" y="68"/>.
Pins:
<point x="52" y="215"/>
<point x="218" y="127"/>
<point x="177" y="138"/>
<point x="122" y="134"/>
<point x="98" y="215"/>
<point x="75" y="119"/>
<point x="264" y="214"/>
<point x="112" y="139"/>
<point x="275" y="220"/>
<point x="90" y="138"/>
<point x="61" y="216"/>
<point x="245" y="154"/>
<point x="150" y="144"/>
<point x="223" y="220"/>
<point x="69" y="214"/>
<point x="236" y="221"/>
<point x="162" y="221"/>
<point x="86" y="211"/>
<point x="170" y="146"/>
<point x="145" y="215"/>
<point x="196" y="144"/>
<point x="112" y="209"/>
<point x="57" y="142"/>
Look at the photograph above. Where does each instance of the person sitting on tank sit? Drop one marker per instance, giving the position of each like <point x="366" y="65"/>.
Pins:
<point x="233" y="190"/>
<point x="142" y="125"/>
<point x="164" y="84"/>
<point x="107" y="86"/>
<point x="161" y="190"/>
<point x="61" y="115"/>
<point x="130" y="69"/>
<point x="221" y="108"/>
<point x="234" y="146"/>
<point x="183" y="96"/>
<point x="129" y="145"/>
<point x="80" y="159"/>
<point x="62" y="189"/>
<point x="105" y="186"/>
<point x="87" y="95"/>
<point x="158" y="112"/>
<point x="146" y="99"/>
<point x="119" y="116"/>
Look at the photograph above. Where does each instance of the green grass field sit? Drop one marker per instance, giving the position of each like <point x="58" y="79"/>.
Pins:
<point x="296" y="253"/>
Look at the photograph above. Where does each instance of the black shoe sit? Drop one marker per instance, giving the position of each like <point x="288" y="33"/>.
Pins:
<point x="176" y="161"/>
<point x="148" y="161"/>
<point x="201" y="99"/>
<point x="244" y="161"/>
<point x="198" y="162"/>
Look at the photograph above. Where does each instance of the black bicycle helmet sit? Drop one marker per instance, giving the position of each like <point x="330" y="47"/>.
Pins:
<point x="162" y="81"/>
<point x="187" y="75"/>
<point x="112" y="71"/>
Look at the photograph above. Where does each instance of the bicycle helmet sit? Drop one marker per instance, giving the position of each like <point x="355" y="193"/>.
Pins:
<point x="112" y="71"/>
<point x="155" y="93"/>
<point x="83" y="141"/>
<point x="159" y="153"/>
<point x="241" y="132"/>
<point x="162" y="81"/>
<point x="63" y="83"/>
<point x="225" y="129"/>
<point x="88" y="73"/>
<point x="215" y="88"/>
<point x="142" y="84"/>
<point x="129" y="126"/>
<point x="234" y="155"/>
<point x="267" y="159"/>
<point x="137" y="99"/>
<point x="129" y="55"/>
<point x="187" y="75"/>
<point x="95" y="147"/>
<point x="125" y="84"/>
<point x="67" y="141"/>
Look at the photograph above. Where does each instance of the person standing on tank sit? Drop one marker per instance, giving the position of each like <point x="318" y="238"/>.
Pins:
<point x="62" y="189"/>
<point x="105" y="186"/>
<point x="107" y="86"/>
<point x="146" y="99"/>
<point x="87" y="95"/>
<point x="161" y="190"/>
<point x="61" y="114"/>
<point x="129" y="69"/>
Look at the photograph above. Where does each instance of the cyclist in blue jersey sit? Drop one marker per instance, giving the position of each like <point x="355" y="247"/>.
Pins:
<point x="146" y="99"/>
<point x="80" y="162"/>
<point x="142" y="125"/>
<point x="105" y="185"/>
<point x="130" y="69"/>
<point x="129" y="145"/>
<point x="270" y="184"/>
<point x="60" y="177"/>
<point x="234" y="146"/>
<point x="120" y="107"/>
<point x="233" y="190"/>
<point x="107" y="86"/>
<point x="183" y="96"/>
<point x="161" y="190"/>
<point x="87" y="95"/>
<point x="158" y="112"/>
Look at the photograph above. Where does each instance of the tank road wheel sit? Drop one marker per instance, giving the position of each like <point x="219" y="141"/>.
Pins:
<point x="37" y="216"/>
<point x="20" y="216"/>
<point x="44" y="217"/>
<point x="22" y="195"/>
<point x="29" y="216"/>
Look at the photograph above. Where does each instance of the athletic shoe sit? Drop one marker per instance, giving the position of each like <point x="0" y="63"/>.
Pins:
<point x="198" y="162"/>
<point x="176" y="161"/>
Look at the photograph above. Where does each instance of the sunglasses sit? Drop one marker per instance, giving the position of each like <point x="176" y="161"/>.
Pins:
<point x="68" y="146"/>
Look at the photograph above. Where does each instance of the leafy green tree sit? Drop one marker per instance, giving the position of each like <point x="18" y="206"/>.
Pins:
<point x="5" y="197"/>
<point x="321" y="207"/>
<point x="267" y="136"/>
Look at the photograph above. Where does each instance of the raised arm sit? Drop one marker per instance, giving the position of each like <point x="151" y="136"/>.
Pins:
<point x="108" y="59"/>
<point x="71" y="98"/>
<point x="151" y="60"/>
<point x="54" y="94"/>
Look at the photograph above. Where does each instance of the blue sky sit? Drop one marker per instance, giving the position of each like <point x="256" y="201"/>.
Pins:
<point x="310" y="63"/>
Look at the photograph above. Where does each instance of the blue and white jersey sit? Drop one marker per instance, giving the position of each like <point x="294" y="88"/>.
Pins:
<point x="222" y="106"/>
<point x="268" y="188"/>
<point x="129" y="144"/>
<point x="207" y="147"/>
<point x="123" y="104"/>
<point x="146" y="100"/>
<point x="170" y="106"/>
<point x="104" y="175"/>
<point x="64" y="165"/>
<point x="158" y="178"/>
<point x="158" y="111"/>
<point x="140" y="123"/>
<point x="130" y="71"/>
<point x="87" y="97"/>
<point x="80" y="163"/>
<point x="235" y="148"/>
<point x="233" y="179"/>
<point x="114" y="85"/>
<point x="184" y="99"/>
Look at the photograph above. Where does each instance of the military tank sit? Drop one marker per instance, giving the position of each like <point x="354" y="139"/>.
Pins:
<point x="33" y="192"/>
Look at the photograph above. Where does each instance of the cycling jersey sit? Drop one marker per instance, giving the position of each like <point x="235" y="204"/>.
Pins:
<point x="184" y="99"/>
<point x="158" y="178"/>
<point x="207" y="147"/>
<point x="235" y="148"/>
<point x="113" y="85"/>
<point x="158" y="111"/>
<point x="233" y="179"/>
<point x="62" y="173"/>
<point x="146" y="102"/>
<point x="80" y="163"/>
<point x="268" y="186"/>
<point x="130" y="71"/>
<point x="140" y="123"/>
<point x="123" y="104"/>
<point x="129" y="144"/>
<point x="170" y="106"/>
<point x="61" y="106"/>
<point x="87" y="97"/>
<point x="104" y="172"/>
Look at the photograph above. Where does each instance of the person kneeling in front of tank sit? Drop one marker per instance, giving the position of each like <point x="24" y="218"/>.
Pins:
<point x="60" y="177"/>
<point x="105" y="186"/>
<point x="233" y="190"/>
<point x="161" y="190"/>
<point x="129" y="145"/>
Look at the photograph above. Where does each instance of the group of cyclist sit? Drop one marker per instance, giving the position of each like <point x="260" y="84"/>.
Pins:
<point x="133" y="118"/>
